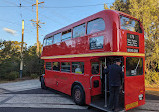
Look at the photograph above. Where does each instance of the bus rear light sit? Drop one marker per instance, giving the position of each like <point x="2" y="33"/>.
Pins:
<point x="141" y="96"/>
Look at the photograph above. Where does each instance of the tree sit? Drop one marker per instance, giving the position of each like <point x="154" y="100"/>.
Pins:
<point x="10" y="60"/>
<point x="9" y="57"/>
<point x="32" y="62"/>
<point x="121" y="5"/>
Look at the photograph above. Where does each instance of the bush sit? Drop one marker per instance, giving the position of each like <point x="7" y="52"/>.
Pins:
<point x="34" y="76"/>
<point x="12" y="75"/>
<point x="152" y="78"/>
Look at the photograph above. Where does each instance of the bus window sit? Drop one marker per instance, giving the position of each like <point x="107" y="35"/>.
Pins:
<point x="65" y="66"/>
<point x="66" y="35"/>
<point x="48" y="65"/>
<point x="49" y="40"/>
<point x="79" y="31"/>
<point x="95" y="26"/>
<point x="95" y="68"/>
<point x="134" y="66"/>
<point x="56" y="66"/>
<point x="78" y="67"/>
<point x="44" y="43"/>
<point x="57" y="38"/>
<point x="130" y="24"/>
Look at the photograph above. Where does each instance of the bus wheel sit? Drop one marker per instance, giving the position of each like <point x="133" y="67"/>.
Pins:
<point x="43" y="83"/>
<point x="78" y="95"/>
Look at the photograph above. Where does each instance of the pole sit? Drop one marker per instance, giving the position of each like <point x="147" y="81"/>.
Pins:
<point x="21" y="61"/>
<point x="105" y="86"/>
<point x="37" y="27"/>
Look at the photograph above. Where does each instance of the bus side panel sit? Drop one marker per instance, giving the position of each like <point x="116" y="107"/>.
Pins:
<point x="66" y="80"/>
<point x="96" y="90"/>
<point x="48" y="78"/>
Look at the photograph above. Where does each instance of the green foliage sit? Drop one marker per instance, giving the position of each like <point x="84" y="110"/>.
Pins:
<point x="32" y="63"/>
<point x="12" y="75"/>
<point x="34" y="76"/>
<point x="10" y="60"/>
<point x="152" y="78"/>
<point x="120" y="5"/>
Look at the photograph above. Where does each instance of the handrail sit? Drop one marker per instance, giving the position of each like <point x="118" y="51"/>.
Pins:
<point x="91" y="80"/>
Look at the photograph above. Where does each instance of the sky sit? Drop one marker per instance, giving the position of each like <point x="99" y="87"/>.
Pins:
<point x="55" y="14"/>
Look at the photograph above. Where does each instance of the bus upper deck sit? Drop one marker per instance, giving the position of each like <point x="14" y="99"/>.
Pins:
<point x="106" y="31"/>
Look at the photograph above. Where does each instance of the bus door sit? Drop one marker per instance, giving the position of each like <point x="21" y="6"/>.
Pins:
<point x="95" y="79"/>
<point x="134" y="82"/>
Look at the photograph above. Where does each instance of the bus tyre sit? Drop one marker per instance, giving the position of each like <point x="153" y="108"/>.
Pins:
<point x="43" y="83"/>
<point x="78" y="95"/>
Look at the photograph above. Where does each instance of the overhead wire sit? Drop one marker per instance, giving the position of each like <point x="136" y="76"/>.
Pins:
<point x="63" y="6"/>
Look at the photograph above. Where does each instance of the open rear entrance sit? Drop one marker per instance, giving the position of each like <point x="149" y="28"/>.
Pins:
<point x="101" y="94"/>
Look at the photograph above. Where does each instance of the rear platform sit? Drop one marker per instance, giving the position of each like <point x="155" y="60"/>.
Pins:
<point x="99" y="103"/>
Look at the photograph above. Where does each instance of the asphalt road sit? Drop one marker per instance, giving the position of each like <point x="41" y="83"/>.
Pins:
<point x="27" y="96"/>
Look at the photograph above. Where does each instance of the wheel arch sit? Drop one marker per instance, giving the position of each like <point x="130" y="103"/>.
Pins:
<point x="77" y="83"/>
<point x="41" y="76"/>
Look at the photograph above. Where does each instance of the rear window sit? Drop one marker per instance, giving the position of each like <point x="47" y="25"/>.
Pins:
<point x="134" y="66"/>
<point x="130" y="24"/>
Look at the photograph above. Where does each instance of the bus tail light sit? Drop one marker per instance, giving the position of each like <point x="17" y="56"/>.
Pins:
<point x="141" y="97"/>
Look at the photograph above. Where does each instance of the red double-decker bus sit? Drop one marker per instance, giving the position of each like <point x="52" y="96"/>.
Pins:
<point x="76" y="54"/>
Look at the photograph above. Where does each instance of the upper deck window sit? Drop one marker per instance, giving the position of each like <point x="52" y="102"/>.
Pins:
<point x="79" y="31"/>
<point x="44" y="42"/>
<point x="57" y="38"/>
<point x="130" y="24"/>
<point x="49" y="41"/>
<point x="95" y="26"/>
<point x="66" y="35"/>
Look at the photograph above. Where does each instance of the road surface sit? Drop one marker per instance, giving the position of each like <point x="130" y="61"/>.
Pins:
<point x="27" y="96"/>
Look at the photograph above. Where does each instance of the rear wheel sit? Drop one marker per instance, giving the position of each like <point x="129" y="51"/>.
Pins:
<point x="78" y="95"/>
<point x="43" y="83"/>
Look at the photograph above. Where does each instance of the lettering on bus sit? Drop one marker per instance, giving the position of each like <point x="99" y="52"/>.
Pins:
<point x="132" y="50"/>
<point x="132" y="40"/>
<point x="60" y="77"/>
<point x="96" y="42"/>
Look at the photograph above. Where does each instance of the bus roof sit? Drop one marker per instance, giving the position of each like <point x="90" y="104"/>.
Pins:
<point x="85" y="20"/>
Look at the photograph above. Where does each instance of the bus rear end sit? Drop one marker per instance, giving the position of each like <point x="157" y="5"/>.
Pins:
<point x="131" y="40"/>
